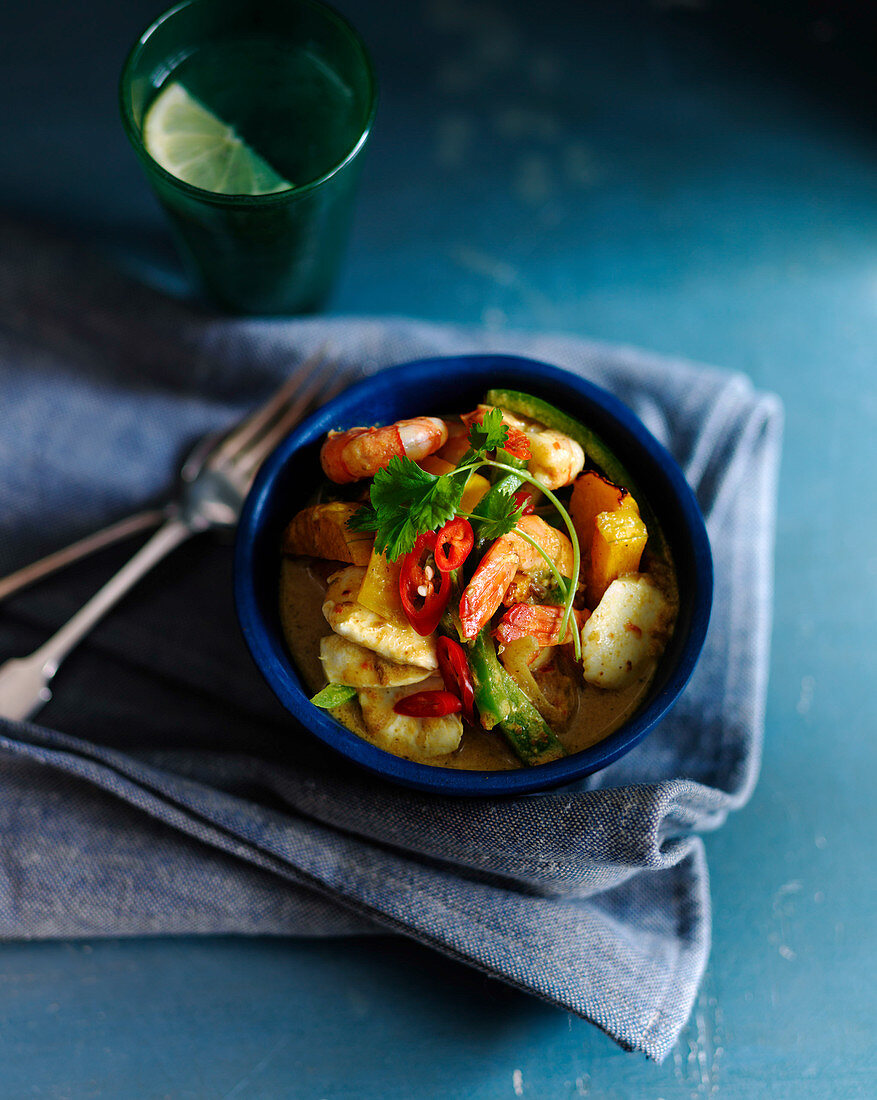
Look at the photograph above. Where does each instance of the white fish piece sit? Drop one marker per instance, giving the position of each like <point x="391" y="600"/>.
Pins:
<point x="397" y="641"/>
<point x="555" y="458"/>
<point x="345" y="662"/>
<point x="630" y="625"/>
<point x="403" y="735"/>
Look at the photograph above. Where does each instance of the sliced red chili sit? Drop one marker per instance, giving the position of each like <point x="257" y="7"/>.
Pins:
<point x="525" y="500"/>
<point x="423" y="589"/>
<point x="454" y="668"/>
<point x="453" y="544"/>
<point x="428" y="704"/>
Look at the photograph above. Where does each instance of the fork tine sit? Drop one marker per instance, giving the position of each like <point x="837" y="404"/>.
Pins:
<point x="205" y="446"/>
<point x="250" y="461"/>
<point x="240" y="436"/>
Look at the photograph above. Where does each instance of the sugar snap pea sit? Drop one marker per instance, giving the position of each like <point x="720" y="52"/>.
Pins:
<point x="504" y="706"/>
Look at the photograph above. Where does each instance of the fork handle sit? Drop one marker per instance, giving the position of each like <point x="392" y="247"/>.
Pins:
<point x="107" y="536"/>
<point x="24" y="681"/>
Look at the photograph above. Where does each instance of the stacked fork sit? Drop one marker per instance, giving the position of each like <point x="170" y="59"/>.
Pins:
<point x="214" y="482"/>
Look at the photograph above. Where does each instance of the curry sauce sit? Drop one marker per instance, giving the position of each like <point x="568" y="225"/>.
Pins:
<point x="597" y="713"/>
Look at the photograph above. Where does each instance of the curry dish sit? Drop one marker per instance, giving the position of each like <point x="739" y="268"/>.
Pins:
<point x="485" y="591"/>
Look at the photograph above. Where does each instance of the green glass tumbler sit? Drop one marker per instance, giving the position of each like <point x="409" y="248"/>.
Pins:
<point x="298" y="86"/>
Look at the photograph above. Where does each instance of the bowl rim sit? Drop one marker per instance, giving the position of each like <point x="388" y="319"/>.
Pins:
<point x="278" y="669"/>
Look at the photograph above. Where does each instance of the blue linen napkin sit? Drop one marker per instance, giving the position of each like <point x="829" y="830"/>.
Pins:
<point x="165" y="790"/>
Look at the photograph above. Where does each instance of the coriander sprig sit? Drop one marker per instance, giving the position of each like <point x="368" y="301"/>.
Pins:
<point x="405" y="502"/>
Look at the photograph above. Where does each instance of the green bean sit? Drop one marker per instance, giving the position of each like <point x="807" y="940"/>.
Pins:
<point x="503" y="705"/>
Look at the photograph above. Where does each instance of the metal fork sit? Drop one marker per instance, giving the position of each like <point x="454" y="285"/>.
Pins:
<point x="120" y="531"/>
<point x="215" y="483"/>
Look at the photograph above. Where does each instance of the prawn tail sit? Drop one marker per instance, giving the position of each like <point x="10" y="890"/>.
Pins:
<point x="538" y="621"/>
<point x="485" y="591"/>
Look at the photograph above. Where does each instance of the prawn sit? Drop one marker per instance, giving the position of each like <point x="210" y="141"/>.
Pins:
<point x="554" y="459"/>
<point x="498" y="569"/>
<point x="361" y="452"/>
<point x="541" y="622"/>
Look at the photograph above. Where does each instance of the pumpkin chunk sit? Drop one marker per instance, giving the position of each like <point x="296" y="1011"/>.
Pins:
<point x="616" y="548"/>
<point x="321" y="532"/>
<point x="591" y="495"/>
<point x="610" y="531"/>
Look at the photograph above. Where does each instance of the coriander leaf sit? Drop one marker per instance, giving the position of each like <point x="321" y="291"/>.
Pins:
<point x="490" y="433"/>
<point x="363" y="519"/>
<point x="406" y="501"/>
<point x="333" y="695"/>
<point x="497" y="514"/>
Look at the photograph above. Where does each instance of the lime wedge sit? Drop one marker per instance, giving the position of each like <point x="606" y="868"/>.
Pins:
<point x="191" y="143"/>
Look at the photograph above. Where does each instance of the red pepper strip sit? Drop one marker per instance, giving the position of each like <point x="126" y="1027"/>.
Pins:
<point x="428" y="704"/>
<point x="423" y="611"/>
<point x="454" y="668"/>
<point x="525" y="501"/>
<point x="517" y="444"/>
<point x="453" y="544"/>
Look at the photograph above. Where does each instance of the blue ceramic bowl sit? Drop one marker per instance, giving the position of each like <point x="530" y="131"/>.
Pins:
<point x="288" y="478"/>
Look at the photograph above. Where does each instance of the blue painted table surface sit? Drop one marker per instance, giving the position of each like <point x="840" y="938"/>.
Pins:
<point x="625" y="172"/>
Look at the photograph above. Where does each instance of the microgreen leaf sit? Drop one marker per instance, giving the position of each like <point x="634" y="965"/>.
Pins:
<point x="333" y="695"/>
